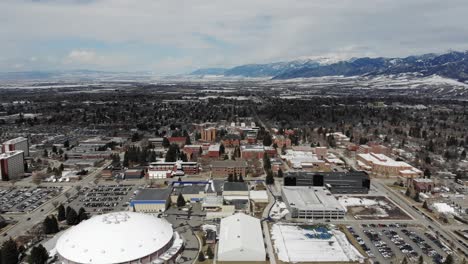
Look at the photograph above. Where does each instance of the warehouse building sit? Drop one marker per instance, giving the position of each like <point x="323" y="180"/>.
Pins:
<point x="336" y="182"/>
<point x="151" y="200"/>
<point x="312" y="202"/>
<point x="241" y="240"/>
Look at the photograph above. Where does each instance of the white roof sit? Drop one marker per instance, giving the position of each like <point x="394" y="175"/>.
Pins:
<point x="241" y="239"/>
<point x="311" y="198"/>
<point x="114" y="238"/>
<point x="258" y="195"/>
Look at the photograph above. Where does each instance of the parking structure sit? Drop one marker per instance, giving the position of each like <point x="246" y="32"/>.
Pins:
<point x="26" y="199"/>
<point x="101" y="199"/>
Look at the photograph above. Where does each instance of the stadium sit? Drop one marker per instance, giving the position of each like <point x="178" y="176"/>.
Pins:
<point x="123" y="237"/>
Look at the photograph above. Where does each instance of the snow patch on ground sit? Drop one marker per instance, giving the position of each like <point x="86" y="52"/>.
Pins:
<point x="292" y="245"/>
<point x="359" y="201"/>
<point x="278" y="210"/>
<point x="443" y="208"/>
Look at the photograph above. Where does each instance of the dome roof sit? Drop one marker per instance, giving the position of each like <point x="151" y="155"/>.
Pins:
<point x="114" y="238"/>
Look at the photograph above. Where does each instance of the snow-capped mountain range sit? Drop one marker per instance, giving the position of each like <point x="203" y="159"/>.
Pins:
<point x="451" y="65"/>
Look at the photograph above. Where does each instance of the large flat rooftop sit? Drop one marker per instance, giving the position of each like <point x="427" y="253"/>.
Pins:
<point x="310" y="198"/>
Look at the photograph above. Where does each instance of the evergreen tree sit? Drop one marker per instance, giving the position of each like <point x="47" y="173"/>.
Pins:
<point x="181" y="200"/>
<point x="188" y="141"/>
<point x="230" y="178"/>
<point x="66" y="144"/>
<point x="201" y="256"/>
<point x="269" y="180"/>
<point x="39" y="255"/>
<point x="421" y="260"/>
<point x="241" y="179"/>
<point x="82" y="215"/>
<point x="235" y="179"/>
<point x="166" y="142"/>
<point x="405" y="261"/>
<point x="54" y="149"/>
<point x="427" y="173"/>
<point x="172" y="153"/>
<point x="45" y="154"/>
<point x="449" y="259"/>
<point x="61" y="213"/>
<point x="267" y="140"/>
<point x="72" y="217"/>
<point x="10" y="253"/>
<point x="266" y="162"/>
<point x="221" y="149"/>
<point x="280" y="173"/>
<point x="209" y="253"/>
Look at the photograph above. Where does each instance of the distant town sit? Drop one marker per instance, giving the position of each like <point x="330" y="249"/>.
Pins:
<point x="231" y="172"/>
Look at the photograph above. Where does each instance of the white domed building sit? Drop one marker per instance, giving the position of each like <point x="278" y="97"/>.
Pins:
<point x="123" y="237"/>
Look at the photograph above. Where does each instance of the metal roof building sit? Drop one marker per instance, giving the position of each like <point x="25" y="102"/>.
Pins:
<point x="241" y="239"/>
<point x="121" y="237"/>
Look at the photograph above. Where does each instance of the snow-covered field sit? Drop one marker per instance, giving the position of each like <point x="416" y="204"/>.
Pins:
<point x="292" y="245"/>
<point x="359" y="201"/>
<point x="278" y="210"/>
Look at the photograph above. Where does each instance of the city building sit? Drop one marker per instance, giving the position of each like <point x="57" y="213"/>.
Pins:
<point x="11" y="165"/>
<point x="151" y="200"/>
<point x="241" y="240"/>
<point x="213" y="151"/>
<point x="231" y="140"/>
<point x="257" y="151"/>
<point x="222" y="168"/>
<point x="383" y="165"/>
<point x="19" y="143"/>
<point x="134" y="174"/>
<point x="341" y="139"/>
<point x="237" y="194"/>
<point x="192" y="192"/>
<point x="179" y="141"/>
<point x="208" y="134"/>
<point x="156" y="142"/>
<point x="161" y="170"/>
<point x="193" y="151"/>
<point x="281" y="141"/>
<point x="312" y="202"/>
<point x="335" y="182"/>
<point x="122" y="237"/>
<point x="420" y="185"/>
<point x="373" y="148"/>
<point x="305" y="160"/>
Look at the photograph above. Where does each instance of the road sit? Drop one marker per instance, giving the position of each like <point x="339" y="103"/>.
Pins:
<point x="266" y="230"/>
<point x="37" y="216"/>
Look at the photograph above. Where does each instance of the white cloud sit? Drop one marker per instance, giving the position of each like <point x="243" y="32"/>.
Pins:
<point x="184" y="33"/>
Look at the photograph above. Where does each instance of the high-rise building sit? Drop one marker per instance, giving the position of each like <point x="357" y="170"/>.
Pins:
<point x="19" y="143"/>
<point x="11" y="165"/>
<point x="208" y="134"/>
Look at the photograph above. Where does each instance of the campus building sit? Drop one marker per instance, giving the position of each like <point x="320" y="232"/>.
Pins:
<point x="223" y="168"/>
<point x="19" y="143"/>
<point x="151" y="200"/>
<point x="312" y="203"/>
<point x="383" y="165"/>
<point x="11" y="165"/>
<point x="335" y="182"/>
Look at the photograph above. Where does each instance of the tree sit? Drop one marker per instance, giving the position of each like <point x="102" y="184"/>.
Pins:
<point x="221" y="149"/>
<point x="172" y="153"/>
<point x="404" y="261"/>
<point x="267" y="141"/>
<point x="181" y="200"/>
<point x="241" y="179"/>
<point x="209" y="253"/>
<point x="10" y="252"/>
<point x="201" y="256"/>
<point x="463" y="155"/>
<point x="427" y="173"/>
<point x="280" y="173"/>
<point x="45" y="154"/>
<point x="39" y="255"/>
<point x="269" y="180"/>
<point x="266" y="162"/>
<point x="54" y="149"/>
<point x="230" y="178"/>
<point x="50" y="225"/>
<point x="421" y="260"/>
<point x="82" y="215"/>
<point x="166" y="142"/>
<point x="72" y="217"/>
<point x="188" y="141"/>
<point x="61" y="213"/>
<point x="449" y="259"/>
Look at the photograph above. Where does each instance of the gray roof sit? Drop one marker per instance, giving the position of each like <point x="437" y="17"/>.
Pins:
<point x="235" y="186"/>
<point x="189" y="189"/>
<point x="153" y="195"/>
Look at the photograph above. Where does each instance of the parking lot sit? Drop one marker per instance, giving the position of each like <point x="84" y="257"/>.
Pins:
<point x="25" y="199"/>
<point x="392" y="242"/>
<point x="104" y="198"/>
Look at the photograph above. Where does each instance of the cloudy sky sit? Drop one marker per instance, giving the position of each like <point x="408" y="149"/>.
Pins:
<point x="177" y="36"/>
